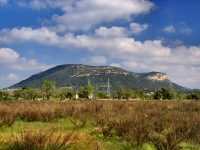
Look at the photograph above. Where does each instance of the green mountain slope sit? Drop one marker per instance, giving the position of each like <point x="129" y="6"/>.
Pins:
<point x="78" y="75"/>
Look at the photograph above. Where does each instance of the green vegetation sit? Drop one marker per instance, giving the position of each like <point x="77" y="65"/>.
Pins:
<point x="86" y="92"/>
<point x="47" y="86"/>
<point x="4" y="96"/>
<point x="102" y="125"/>
<point x="77" y="76"/>
<point x="65" y="93"/>
<point x="48" y="118"/>
<point x="49" y="91"/>
<point x="195" y="96"/>
<point x="165" y="94"/>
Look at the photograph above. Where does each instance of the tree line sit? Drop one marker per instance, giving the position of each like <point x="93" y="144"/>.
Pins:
<point x="48" y="91"/>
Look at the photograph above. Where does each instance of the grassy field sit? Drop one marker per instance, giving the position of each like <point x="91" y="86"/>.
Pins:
<point x="100" y="125"/>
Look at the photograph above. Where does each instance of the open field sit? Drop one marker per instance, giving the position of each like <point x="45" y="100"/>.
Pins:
<point x="100" y="125"/>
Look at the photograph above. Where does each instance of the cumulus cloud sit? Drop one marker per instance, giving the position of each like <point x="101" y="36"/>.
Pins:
<point x="84" y="14"/>
<point x="87" y="13"/>
<point x="105" y="44"/>
<point x="26" y="34"/>
<point x="181" y="63"/>
<point x="169" y="29"/>
<point x="111" y="32"/>
<point x="113" y="44"/>
<point x="118" y="46"/>
<point x="137" y="28"/>
<point x="8" y="55"/>
<point x="11" y="59"/>
<point x="9" y="79"/>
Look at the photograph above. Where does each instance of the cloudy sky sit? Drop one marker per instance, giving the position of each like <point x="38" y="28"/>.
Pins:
<point x="138" y="35"/>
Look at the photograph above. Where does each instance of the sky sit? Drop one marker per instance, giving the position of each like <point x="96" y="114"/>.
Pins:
<point x="137" y="35"/>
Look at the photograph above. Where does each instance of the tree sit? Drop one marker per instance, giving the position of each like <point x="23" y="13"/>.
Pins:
<point x="66" y="93"/>
<point x="128" y="94"/>
<point x="138" y="94"/>
<point x="47" y="86"/>
<point x="194" y="96"/>
<point x="5" y="96"/>
<point x="17" y="94"/>
<point x="33" y="93"/>
<point x="158" y="95"/>
<point x="164" y="94"/>
<point x="103" y="95"/>
<point x="27" y="94"/>
<point x="86" y="92"/>
<point x="121" y="93"/>
<point x="181" y="96"/>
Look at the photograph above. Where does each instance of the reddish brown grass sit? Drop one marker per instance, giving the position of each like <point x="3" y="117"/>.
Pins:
<point x="164" y="123"/>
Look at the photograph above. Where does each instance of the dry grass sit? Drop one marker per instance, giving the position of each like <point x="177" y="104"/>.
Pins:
<point x="41" y="140"/>
<point x="166" y="124"/>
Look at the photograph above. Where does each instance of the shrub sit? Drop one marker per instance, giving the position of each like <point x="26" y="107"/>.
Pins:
<point x="166" y="124"/>
<point x="5" y="96"/>
<point x="43" y="140"/>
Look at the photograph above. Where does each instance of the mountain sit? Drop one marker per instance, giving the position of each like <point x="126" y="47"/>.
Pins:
<point x="77" y="75"/>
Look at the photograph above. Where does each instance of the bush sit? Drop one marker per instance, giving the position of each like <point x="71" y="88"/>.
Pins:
<point x="103" y="95"/>
<point x="165" y="124"/>
<point x="65" y="93"/>
<point x="86" y="92"/>
<point x="43" y="140"/>
<point x="194" y="96"/>
<point x="164" y="94"/>
<point x="5" y="96"/>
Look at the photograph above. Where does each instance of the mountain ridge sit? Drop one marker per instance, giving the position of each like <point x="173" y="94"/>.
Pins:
<point x="77" y="75"/>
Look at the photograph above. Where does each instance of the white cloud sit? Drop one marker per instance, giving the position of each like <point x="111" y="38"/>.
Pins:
<point x="12" y="77"/>
<point x="184" y="28"/>
<point x="95" y="60"/>
<point x="11" y="59"/>
<point x="2" y="2"/>
<point x="25" y="34"/>
<point x="117" y="46"/>
<point x="113" y="44"/>
<point x="137" y="28"/>
<point x="111" y="32"/>
<point x="181" y="63"/>
<point x="8" y="55"/>
<point x="37" y="4"/>
<point x="85" y="14"/>
<point x="43" y="4"/>
<point x="115" y="65"/>
<point x="169" y="29"/>
<point x="105" y="44"/>
<point x="9" y="79"/>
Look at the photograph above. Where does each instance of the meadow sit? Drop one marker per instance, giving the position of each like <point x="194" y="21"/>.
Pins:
<point x="100" y="125"/>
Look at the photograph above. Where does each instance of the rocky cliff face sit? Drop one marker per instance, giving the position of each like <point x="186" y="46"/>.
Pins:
<point x="85" y="71"/>
<point x="158" y="77"/>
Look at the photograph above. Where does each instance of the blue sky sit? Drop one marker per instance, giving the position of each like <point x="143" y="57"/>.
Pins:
<point x="138" y="35"/>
